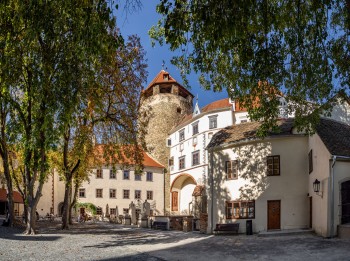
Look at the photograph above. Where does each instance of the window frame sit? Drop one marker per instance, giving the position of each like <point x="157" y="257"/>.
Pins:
<point x="271" y="171"/>
<point x="112" y="174"/>
<point x="137" y="194"/>
<point x="195" y="128"/>
<point x="149" y="176"/>
<point x="138" y="177"/>
<point x="213" y="122"/>
<point x="98" y="211"/>
<point x="97" y="193"/>
<point x="111" y="192"/>
<point x="198" y="159"/>
<point x="311" y="164"/>
<point x="126" y="171"/>
<point x="182" y="166"/>
<point x="182" y="135"/>
<point x="231" y="169"/>
<point x="99" y="173"/>
<point x="84" y="192"/>
<point x="149" y="195"/>
<point x="124" y="193"/>
<point x="240" y="209"/>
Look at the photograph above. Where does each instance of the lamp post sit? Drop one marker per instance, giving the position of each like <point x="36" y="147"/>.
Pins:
<point x="316" y="186"/>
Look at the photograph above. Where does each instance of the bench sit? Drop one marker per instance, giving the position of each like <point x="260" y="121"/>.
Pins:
<point x="232" y="227"/>
<point x="160" y="225"/>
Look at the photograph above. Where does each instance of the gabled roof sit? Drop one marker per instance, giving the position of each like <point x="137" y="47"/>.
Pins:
<point x="335" y="136"/>
<point x="17" y="198"/>
<point x="161" y="79"/>
<point x="126" y="157"/>
<point x="247" y="131"/>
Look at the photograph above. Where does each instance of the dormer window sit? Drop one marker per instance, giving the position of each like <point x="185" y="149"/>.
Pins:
<point x="166" y="77"/>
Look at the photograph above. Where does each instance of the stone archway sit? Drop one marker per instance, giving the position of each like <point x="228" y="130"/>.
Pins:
<point x="345" y="202"/>
<point x="181" y="193"/>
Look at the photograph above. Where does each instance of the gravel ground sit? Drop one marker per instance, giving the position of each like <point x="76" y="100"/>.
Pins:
<point x="104" y="241"/>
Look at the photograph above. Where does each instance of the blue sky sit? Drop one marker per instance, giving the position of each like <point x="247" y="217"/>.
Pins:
<point x="139" y="23"/>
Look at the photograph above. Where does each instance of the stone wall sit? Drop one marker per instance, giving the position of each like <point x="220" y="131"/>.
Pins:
<point x="165" y="111"/>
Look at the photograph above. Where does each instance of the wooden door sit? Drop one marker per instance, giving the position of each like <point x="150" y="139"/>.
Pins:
<point x="273" y="214"/>
<point x="174" y="201"/>
<point x="310" y="198"/>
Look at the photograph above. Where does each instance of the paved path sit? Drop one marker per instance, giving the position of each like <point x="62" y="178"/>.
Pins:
<point x="104" y="241"/>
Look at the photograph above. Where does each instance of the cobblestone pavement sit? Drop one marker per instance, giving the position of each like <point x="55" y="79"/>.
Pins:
<point x="104" y="241"/>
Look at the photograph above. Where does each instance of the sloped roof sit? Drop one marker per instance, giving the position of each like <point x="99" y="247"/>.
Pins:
<point x="17" y="198"/>
<point x="160" y="79"/>
<point x="335" y="136"/>
<point x="125" y="152"/>
<point x="247" y="131"/>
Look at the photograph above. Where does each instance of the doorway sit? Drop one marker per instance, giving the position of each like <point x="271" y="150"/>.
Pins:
<point x="273" y="214"/>
<point x="345" y="202"/>
<point x="174" y="201"/>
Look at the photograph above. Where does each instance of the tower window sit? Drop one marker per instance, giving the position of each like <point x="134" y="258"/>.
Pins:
<point x="178" y="110"/>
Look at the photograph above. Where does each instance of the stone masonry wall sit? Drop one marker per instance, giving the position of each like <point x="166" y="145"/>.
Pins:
<point x="166" y="110"/>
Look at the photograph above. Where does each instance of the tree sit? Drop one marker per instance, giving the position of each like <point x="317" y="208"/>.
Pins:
<point x="48" y="58"/>
<point x="299" y="47"/>
<point x="111" y="115"/>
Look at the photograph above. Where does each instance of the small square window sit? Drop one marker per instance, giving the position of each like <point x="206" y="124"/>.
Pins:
<point x="126" y="193"/>
<point x="99" y="174"/>
<point x="150" y="195"/>
<point x="112" y="211"/>
<point x="168" y="142"/>
<point x="125" y="211"/>
<point x="126" y="174"/>
<point x="112" y="193"/>
<point x="137" y="194"/>
<point x="149" y="176"/>
<point x="82" y="193"/>
<point x="99" y="193"/>
<point x="232" y="169"/>
<point x="98" y="211"/>
<point x="112" y="174"/>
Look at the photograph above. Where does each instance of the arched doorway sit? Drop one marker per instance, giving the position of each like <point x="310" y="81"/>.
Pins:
<point x="60" y="209"/>
<point x="345" y="202"/>
<point x="181" y="193"/>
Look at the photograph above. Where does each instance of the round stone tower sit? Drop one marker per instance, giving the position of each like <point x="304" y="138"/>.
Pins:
<point x="166" y="103"/>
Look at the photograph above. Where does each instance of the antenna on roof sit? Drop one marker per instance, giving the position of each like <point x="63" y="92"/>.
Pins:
<point x="196" y="110"/>
<point x="163" y="64"/>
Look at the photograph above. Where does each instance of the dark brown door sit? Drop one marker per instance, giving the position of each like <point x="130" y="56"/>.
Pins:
<point x="273" y="214"/>
<point x="174" y="201"/>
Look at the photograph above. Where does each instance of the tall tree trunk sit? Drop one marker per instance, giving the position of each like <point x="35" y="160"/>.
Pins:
<point x="66" y="205"/>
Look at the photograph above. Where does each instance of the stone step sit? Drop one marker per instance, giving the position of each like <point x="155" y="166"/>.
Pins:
<point x="285" y="232"/>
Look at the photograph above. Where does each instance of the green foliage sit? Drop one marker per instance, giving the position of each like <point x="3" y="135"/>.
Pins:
<point x="88" y="206"/>
<point x="298" y="47"/>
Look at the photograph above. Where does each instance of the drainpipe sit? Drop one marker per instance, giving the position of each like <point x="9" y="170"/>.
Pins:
<point x="334" y="159"/>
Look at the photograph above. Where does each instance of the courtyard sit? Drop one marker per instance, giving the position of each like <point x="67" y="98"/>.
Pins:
<point x="105" y="241"/>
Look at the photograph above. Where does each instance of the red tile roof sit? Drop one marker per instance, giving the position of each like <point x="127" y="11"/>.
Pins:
<point x="160" y="79"/>
<point x="17" y="198"/>
<point x="126" y="155"/>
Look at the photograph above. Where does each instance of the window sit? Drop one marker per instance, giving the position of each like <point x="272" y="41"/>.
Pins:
<point x="137" y="194"/>
<point x="112" y="193"/>
<point x="182" y="135"/>
<point x="99" y="174"/>
<point x="195" y="158"/>
<point x="82" y="193"/>
<point x="182" y="162"/>
<point x="112" y="174"/>
<point x="125" y="211"/>
<point x="232" y="169"/>
<point x="240" y="209"/>
<point x="149" y="176"/>
<point x="195" y="128"/>
<point x="213" y="122"/>
<point x="126" y="174"/>
<point x="311" y="166"/>
<point x="112" y="211"/>
<point x="150" y="195"/>
<point x="126" y="193"/>
<point x="168" y="142"/>
<point x="171" y="161"/>
<point x="273" y="165"/>
<point x="98" y="211"/>
<point x="137" y="176"/>
<point x="99" y="193"/>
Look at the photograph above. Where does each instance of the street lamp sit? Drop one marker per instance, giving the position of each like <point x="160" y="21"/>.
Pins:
<point x="316" y="186"/>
